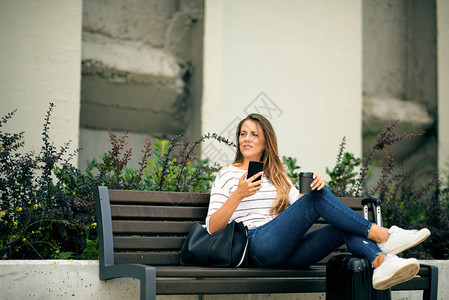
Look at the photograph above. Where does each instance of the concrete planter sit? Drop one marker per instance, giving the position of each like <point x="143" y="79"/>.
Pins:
<point x="65" y="279"/>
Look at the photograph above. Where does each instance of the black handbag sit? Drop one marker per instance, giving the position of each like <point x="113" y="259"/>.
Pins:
<point x="224" y="248"/>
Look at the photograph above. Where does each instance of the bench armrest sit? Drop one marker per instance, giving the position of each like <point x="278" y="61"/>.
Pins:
<point x="432" y="292"/>
<point x="146" y="275"/>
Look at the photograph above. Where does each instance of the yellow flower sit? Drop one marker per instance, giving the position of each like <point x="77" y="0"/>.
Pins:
<point x="94" y="225"/>
<point x="6" y="222"/>
<point x="14" y="236"/>
<point x="15" y="223"/>
<point x="54" y="264"/>
<point x="36" y="206"/>
<point x="32" y="232"/>
<point x="24" y="240"/>
<point x="2" y="213"/>
<point x="19" y="209"/>
<point x="71" y="260"/>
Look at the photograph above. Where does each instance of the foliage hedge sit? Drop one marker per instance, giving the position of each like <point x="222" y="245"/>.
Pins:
<point x="47" y="208"/>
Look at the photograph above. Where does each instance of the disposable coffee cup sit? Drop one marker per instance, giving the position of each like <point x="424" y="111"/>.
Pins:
<point x="305" y="180"/>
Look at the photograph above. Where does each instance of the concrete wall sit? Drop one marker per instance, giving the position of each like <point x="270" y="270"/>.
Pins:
<point x="443" y="86"/>
<point x="63" y="279"/>
<point x="141" y="64"/>
<point x="298" y="63"/>
<point x="400" y="77"/>
<point x="40" y="46"/>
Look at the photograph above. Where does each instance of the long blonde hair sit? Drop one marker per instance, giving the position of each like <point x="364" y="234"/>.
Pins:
<point x="272" y="165"/>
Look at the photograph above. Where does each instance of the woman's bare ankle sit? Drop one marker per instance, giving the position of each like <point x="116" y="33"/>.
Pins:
<point x="378" y="260"/>
<point x="378" y="234"/>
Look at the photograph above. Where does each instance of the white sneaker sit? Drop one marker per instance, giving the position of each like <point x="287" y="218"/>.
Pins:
<point x="394" y="270"/>
<point x="401" y="239"/>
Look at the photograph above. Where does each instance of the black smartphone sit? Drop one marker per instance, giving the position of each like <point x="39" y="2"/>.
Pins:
<point x="254" y="168"/>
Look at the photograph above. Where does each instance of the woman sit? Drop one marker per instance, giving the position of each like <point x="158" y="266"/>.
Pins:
<point x="278" y="216"/>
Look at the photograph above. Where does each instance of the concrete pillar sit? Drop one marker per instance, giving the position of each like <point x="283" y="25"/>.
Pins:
<point x="141" y="64"/>
<point x="297" y="62"/>
<point x="40" y="46"/>
<point x="400" y="78"/>
<point x="443" y="79"/>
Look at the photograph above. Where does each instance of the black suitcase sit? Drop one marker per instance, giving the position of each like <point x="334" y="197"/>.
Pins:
<point x="349" y="277"/>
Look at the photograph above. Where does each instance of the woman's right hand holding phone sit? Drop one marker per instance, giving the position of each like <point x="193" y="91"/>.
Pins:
<point x="248" y="187"/>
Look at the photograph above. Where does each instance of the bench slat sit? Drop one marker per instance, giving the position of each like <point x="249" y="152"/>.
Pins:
<point x="240" y="286"/>
<point x="147" y="258"/>
<point x="169" y="258"/>
<point x="352" y="202"/>
<point x="193" y="271"/>
<point x="121" y="227"/>
<point x="148" y="243"/>
<point x="126" y="243"/>
<point x="151" y="227"/>
<point x="174" y="198"/>
<point x="158" y="212"/>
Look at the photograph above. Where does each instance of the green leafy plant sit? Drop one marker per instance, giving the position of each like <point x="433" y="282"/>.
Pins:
<point x="291" y="168"/>
<point x="409" y="199"/>
<point x="39" y="217"/>
<point x="170" y="166"/>
<point x="388" y="137"/>
<point x="46" y="204"/>
<point x="343" y="176"/>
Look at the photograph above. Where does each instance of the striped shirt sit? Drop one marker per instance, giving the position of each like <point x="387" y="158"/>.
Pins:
<point x="254" y="210"/>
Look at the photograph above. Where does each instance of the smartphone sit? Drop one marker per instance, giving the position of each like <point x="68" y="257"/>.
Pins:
<point x="254" y="168"/>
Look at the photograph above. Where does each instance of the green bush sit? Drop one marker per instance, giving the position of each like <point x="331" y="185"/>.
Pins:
<point x="46" y="204"/>
<point x="40" y="218"/>
<point x="47" y="208"/>
<point x="343" y="176"/>
<point x="409" y="199"/>
<point x="291" y="168"/>
<point x="170" y="166"/>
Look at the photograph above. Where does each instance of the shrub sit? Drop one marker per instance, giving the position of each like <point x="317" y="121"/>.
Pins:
<point x="46" y="204"/>
<point x="291" y="168"/>
<point x="409" y="199"/>
<point x="170" y="166"/>
<point x="38" y="218"/>
<point x="342" y="176"/>
<point x="47" y="209"/>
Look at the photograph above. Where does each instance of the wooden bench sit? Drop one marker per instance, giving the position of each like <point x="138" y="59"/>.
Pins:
<point x="141" y="233"/>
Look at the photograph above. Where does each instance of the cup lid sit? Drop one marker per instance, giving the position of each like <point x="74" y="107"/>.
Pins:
<point x="306" y="174"/>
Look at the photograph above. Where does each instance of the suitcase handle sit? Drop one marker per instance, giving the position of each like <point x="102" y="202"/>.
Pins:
<point x="375" y="202"/>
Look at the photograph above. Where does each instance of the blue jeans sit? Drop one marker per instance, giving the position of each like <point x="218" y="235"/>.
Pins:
<point x="285" y="242"/>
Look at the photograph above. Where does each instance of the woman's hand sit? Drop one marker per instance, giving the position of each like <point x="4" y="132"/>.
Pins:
<point x="318" y="182"/>
<point x="248" y="187"/>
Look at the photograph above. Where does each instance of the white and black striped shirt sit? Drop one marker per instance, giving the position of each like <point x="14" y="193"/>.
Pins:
<point x="254" y="210"/>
